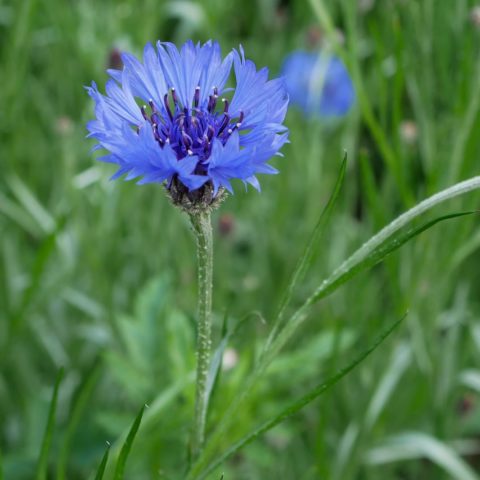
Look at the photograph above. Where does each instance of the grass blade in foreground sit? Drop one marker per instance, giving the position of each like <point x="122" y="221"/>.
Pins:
<point x="300" y="403"/>
<point x="124" y="452"/>
<point x="75" y="417"/>
<point x="379" y="254"/>
<point x="381" y="237"/>
<point x="305" y="260"/>
<point x="373" y="258"/>
<point x="41" y="473"/>
<point x="103" y="464"/>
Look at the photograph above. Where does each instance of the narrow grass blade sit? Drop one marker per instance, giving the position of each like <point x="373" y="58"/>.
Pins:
<point x="127" y="446"/>
<point x="42" y="465"/>
<point x="417" y="445"/>
<point x="103" y="464"/>
<point x="227" y="334"/>
<point x="343" y="274"/>
<point x="375" y="256"/>
<point x="215" y="368"/>
<point x="305" y="260"/>
<point x="387" y="232"/>
<point x="31" y="204"/>
<point x="216" y="361"/>
<point x="300" y="403"/>
<point x="401" y="360"/>
<point x="78" y="408"/>
<point x="44" y="253"/>
<point x="2" y="476"/>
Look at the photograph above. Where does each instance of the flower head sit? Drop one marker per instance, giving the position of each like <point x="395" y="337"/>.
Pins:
<point x="318" y="84"/>
<point x="171" y="119"/>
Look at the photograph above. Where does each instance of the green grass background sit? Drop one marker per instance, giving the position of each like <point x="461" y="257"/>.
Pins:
<point x="99" y="276"/>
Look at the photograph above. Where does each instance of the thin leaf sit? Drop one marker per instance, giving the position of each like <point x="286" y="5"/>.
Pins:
<point x="26" y="197"/>
<point x="103" y="464"/>
<point x="79" y="407"/>
<point x="369" y="257"/>
<point x="215" y="367"/>
<point x="17" y="214"/>
<point x="2" y="477"/>
<point x="417" y="445"/>
<point x="44" y="253"/>
<point x="216" y="362"/>
<point x="400" y="361"/>
<point x="127" y="446"/>
<point x="306" y="258"/>
<point x="41" y="472"/>
<point x="387" y="232"/>
<point x="300" y="403"/>
<point x="348" y="270"/>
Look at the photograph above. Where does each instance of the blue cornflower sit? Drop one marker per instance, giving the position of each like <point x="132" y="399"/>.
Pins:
<point x="319" y="84"/>
<point x="188" y="130"/>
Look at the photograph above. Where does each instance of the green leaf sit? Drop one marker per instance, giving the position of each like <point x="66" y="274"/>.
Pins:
<point x="127" y="446"/>
<point x="42" y="465"/>
<point x="306" y="258"/>
<point x="43" y="255"/>
<point x="372" y="246"/>
<point x="78" y="408"/>
<point x="31" y="204"/>
<point x="2" y="477"/>
<point x="417" y="445"/>
<point x="367" y="259"/>
<point x="103" y="464"/>
<point x="372" y="257"/>
<point x="297" y="405"/>
<point x="217" y="357"/>
<point x="400" y="361"/>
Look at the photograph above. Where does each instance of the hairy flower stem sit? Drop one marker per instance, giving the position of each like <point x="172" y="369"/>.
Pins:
<point x="202" y="227"/>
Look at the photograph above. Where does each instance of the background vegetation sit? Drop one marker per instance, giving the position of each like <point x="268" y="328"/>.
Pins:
<point x="99" y="276"/>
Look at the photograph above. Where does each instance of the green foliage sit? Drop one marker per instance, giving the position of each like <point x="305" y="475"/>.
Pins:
<point x="100" y="277"/>
<point x="42" y="465"/>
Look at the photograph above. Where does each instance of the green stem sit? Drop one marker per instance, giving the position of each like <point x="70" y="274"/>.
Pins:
<point x="202" y="227"/>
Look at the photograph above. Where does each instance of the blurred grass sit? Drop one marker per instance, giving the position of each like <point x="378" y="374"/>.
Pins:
<point x="100" y="273"/>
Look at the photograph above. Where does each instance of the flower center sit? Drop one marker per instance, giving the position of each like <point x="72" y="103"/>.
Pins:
<point x="190" y="131"/>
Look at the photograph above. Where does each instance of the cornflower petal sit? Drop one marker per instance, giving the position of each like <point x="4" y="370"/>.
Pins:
<point x="186" y="135"/>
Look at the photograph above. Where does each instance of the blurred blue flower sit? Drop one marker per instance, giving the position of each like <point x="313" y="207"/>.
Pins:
<point x="188" y="134"/>
<point x="318" y="84"/>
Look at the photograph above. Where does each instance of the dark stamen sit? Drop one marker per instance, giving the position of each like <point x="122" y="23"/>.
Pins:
<point x="144" y="112"/>
<point x="210" y="133"/>
<point x="187" y="140"/>
<point x="196" y="97"/>
<point x="174" y="96"/>
<point x="152" y="105"/>
<point x="155" y="133"/>
<point x="225" y="121"/>
<point x="167" y="106"/>
<point x="212" y="102"/>
<point x="225" y="105"/>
